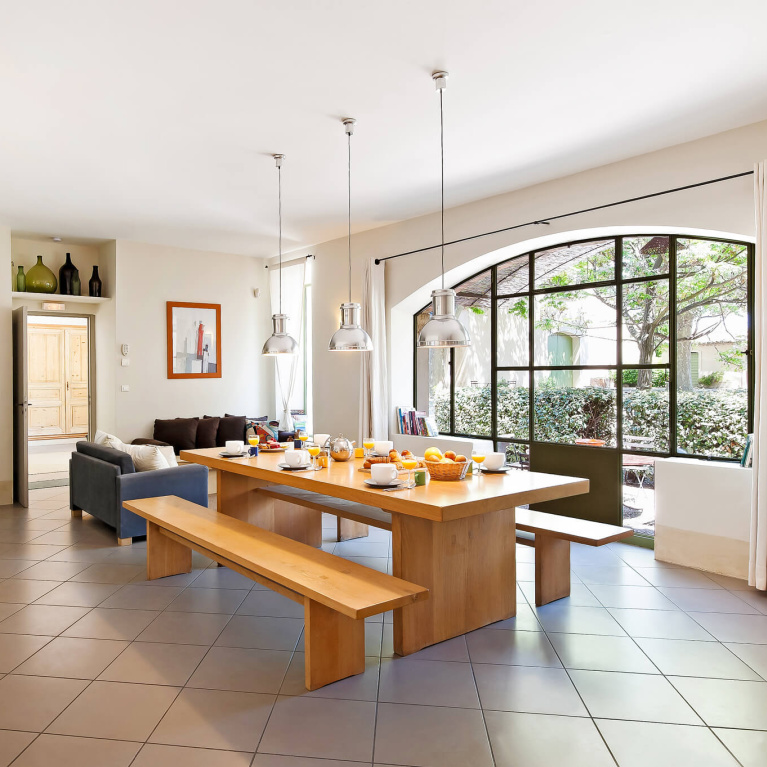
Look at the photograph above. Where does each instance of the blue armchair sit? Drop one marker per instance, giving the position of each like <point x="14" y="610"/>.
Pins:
<point x="102" y="478"/>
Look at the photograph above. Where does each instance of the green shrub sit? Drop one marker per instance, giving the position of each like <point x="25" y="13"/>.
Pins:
<point x="711" y="380"/>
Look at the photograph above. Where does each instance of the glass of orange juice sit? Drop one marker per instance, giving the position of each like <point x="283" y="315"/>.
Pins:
<point x="302" y="435"/>
<point x="368" y="443"/>
<point x="410" y="464"/>
<point x="314" y="451"/>
<point x="253" y="442"/>
<point x="478" y="457"/>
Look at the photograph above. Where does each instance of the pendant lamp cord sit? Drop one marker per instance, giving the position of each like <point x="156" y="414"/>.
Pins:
<point x="279" y="216"/>
<point x="349" y="186"/>
<point x="442" y="172"/>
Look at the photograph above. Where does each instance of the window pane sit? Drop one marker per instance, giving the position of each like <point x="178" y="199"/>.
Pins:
<point x="645" y="256"/>
<point x="474" y="294"/>
<point x="472" y="374"/>
<point x="513" y="331"/>
<point x="645" y="323"/>
<point x="573" y="405"/>
<point x="514" y="276"/>
<point x="575" y="264"/>
<point x="433" y="378"/>
<point x="712" y="395"/>
<point x="645" y="410"/>
<point x="517" y="454"/>
<point x="576" y="327"/>
<point x="513" y="404"/>
<point x="639" y="493"/>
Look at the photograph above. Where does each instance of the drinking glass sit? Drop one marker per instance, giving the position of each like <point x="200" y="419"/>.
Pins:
<point x="314" y="451"/>
<point x="302" y="435"/>
<point x="410" y="464"/>
<point x="253" y="442"/>
<point x="368" y="443"/>
<point x="478" y="458"/>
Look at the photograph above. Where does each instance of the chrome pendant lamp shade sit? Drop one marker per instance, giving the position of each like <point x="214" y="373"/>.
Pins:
<point x="444" y="329"/>
<point x="351" y="336"/>
<point x="280" y="342"/>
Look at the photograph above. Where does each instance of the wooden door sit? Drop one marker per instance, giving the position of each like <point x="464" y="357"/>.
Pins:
<point x="76" y="372"/>
<point x="46" y="381"/>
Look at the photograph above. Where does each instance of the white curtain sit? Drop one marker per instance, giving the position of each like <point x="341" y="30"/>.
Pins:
<point x="374" y="389"/>
<point x="288" y="370"/>
<point x="757" y="565"/>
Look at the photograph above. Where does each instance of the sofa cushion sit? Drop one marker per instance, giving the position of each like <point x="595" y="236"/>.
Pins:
<point x="207" y="431"/>
<point x="145" y="457"/>
<point x="179" y="432"/>
<point x="230" y="427"/>
<point x="117" y="457"/>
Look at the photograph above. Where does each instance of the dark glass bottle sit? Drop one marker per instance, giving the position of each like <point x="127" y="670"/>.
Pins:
<point x="66" y="277"/>
<point x="94" y="284"/>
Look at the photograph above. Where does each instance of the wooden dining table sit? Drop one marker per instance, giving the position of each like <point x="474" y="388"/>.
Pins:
<point x="457" y="539"/>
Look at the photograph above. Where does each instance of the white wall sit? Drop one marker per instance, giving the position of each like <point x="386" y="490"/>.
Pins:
<point x="6" y="373"/>
<point x="725" y="207"/>
<point x="149" y="275"/>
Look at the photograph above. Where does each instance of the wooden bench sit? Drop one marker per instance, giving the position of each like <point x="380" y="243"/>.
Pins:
<point x="549" y="534"/>
<point x="337" y="595"/>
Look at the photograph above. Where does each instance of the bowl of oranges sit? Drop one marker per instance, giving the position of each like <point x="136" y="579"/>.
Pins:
<point x="447" y="466"/>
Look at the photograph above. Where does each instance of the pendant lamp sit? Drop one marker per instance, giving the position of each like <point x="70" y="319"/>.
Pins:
<point x="279" y="342"/>
<point x="443" y="329"/>
<point x="350" y="337"/>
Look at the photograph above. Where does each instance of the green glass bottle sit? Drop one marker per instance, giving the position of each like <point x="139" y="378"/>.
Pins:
<point x="21" y="281"/>
<point x="40" y="279"/>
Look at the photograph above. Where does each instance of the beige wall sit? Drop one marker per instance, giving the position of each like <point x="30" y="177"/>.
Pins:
<point x="6" y="373"/>
<point x="725" y="207"/>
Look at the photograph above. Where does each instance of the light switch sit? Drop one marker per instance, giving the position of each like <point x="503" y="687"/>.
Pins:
<point x="125" y="362"/>
<point x="125" y="387"/>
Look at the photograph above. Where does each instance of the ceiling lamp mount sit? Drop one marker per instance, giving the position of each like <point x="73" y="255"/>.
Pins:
<point x="351" y="336"/>
<point x="444" y="329"/>
<point x="280" y="342"/>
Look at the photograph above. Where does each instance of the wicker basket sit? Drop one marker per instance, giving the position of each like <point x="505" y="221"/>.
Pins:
<point x="447" y="472"/>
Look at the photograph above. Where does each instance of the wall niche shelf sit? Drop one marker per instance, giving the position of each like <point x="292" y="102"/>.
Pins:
<point x="58" y="298"/>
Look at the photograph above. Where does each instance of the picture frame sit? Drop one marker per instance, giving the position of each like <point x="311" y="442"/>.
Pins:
<point x="194" y="340"/>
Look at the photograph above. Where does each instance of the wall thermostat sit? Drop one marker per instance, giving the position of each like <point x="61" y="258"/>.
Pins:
<point x="125" y="349"/>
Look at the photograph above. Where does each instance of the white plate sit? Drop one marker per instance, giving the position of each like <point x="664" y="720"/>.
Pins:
<point x="233" y="455"/>
<point x="288" y="467"/>
<point x="396" y="483"/>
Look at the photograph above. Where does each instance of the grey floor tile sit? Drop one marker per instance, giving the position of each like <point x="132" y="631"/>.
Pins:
<point x="427" y="682"/>
<point x="639" y="697"/>
<point x="241" y="670"/>
<point x="358" y="687"/>
<point x="609" y="576"/>
<point x="632" y="597"/>
<point x="638" y="744"/>
<point x="183" y="756"/>
<point x="538" y="740"/>
<point x="231" y="721"/>
<point x="748" y="746"/>
<point x="222" y="578"/>
<point x="101" y="623"/>
<point x="660" y="624"/>
<point x="12" y="743"/>
<point x="264" y="633"/>
<point x="172" y="581"/>
<point x="31" y="551"/>
<point x="16" y="648"/>
<point x="725" y="703"/>
<point x="515" y="648"/>
<point x="32" y="703"/>
<point x="753" y="655"/>
<point x="77" y="752"/>
<point x="524" y="620"/>
<point x="677" y="577"/>
<point x="529" y="689"/>
<point x="20" y="591"/>
<point x="592" y="556"/>
<point x="11" y="567"/>
<point x="454" y="650"/>
<point x="73" y="594"/>
<point x="223" y="601"/>
<point x="132" y="597"/>
<point x="747" y="629"/>
<point x="601" y="653"/>
<point x="73" y="658"/>
<point x="732" y="584"/>
<point x="757" y="599"/>
<point x="270" y="604"/>
<point x="273" y="760"/>
<point x="708" y="601"/>
<point x="154" y="663"/>
<point x="580" y="596"/>
<point x="48" y="620"/>
<point x="563" y="618"/>
<point x="362" y="548"/>
<point x="52" y="571"/>
<point x="680" y="657"/>
<point x="184" y="628"/>
<point x="115" y="711"/>
<point x="431" y="736"/>
<point x="108" y="573"/>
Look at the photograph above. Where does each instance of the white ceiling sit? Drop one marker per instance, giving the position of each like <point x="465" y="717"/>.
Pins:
<point x="154" y="120"/>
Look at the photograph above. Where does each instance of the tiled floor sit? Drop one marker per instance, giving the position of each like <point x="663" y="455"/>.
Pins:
<point x="645" y="665"/>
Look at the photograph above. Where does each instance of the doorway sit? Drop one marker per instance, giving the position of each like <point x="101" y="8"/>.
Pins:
<point x="54" y="374"/>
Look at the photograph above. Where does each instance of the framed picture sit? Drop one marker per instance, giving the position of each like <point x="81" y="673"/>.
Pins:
<point x="194" y="340"/>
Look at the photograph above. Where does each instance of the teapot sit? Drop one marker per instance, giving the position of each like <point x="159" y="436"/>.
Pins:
<point x="340" y="448"/>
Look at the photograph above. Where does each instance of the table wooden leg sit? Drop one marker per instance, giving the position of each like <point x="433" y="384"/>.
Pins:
<point x="238" y="497"/>
<point x="552" y="569"/>
<point x="469" y="567"/>
<point x="164" y="556"/>
<point x="348" y="529"/>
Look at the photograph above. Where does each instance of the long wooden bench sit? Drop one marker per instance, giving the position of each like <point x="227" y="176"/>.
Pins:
<point x="549" y="534"/>
<point x="337" y="595"/>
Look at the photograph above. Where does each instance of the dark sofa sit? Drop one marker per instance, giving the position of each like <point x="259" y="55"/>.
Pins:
<point x="102" y="478"/>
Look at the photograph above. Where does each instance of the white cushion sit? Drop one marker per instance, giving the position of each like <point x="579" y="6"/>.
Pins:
<point x="145" y="457"/>
<point x="170" y="456"/>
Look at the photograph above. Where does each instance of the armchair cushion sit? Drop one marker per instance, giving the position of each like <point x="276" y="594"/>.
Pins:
<point x="118" y="458"/>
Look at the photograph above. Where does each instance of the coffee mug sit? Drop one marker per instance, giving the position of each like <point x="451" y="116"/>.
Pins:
<point x="383" y="473"/>
<point x="296" y="457"/>
<point x="495" y="461"/>
<point x="234" y="446"/>
<point x="382" y="446"/>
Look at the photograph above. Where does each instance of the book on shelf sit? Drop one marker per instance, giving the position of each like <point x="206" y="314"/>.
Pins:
<point x="414" y="422"/>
